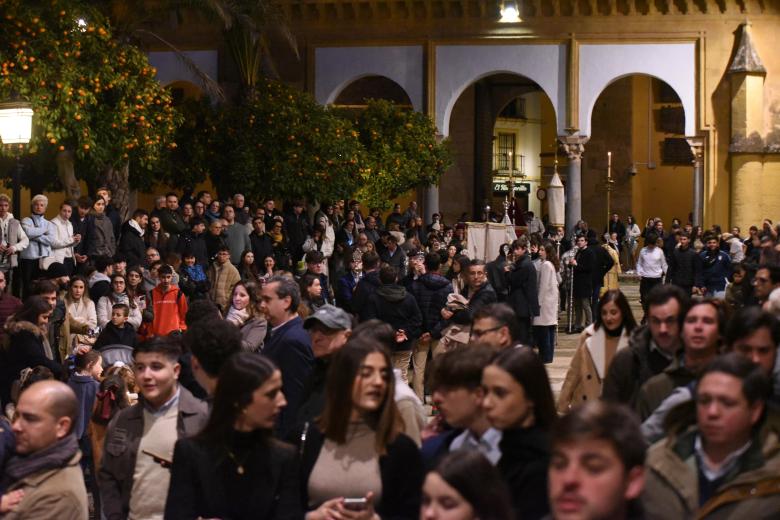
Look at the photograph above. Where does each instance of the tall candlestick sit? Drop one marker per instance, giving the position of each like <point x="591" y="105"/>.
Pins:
<point x="609" y="187"/>
<point x="511" y="166"/>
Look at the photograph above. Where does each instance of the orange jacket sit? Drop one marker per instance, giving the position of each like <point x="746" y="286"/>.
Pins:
<point x="169" y="311"/>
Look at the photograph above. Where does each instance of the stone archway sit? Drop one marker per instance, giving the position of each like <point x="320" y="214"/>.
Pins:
<point x="356" y="93"/>
<point x="642" y="121"/>
<point x="478" y="176"/>
<point x="337" y="67"/>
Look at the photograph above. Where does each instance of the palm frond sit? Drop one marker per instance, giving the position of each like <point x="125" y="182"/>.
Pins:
<point x="211" y="87"/>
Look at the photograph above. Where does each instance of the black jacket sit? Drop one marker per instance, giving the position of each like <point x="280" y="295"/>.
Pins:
<point x="206" y="483"/>
<point x="213" y="244"/>
<point x="262" y="247"/>
<point x="297" y="229"/>
<point x="523" y="295"/>
<point x="684" y="265"/>
<point x="112" y="335"/>
<point x="363" y="291"/>
<point x="290" y="348"/>
<point x="393" y="305"/>
<point x="25" y="350"/>
<point x="602" y="265"/>
<point x="583" y="273"/>
<point x="401" y="471"/>
<point x="497" y="277"/>
<point x="189" y="241"/>
<point x="525" y="457"/>
<point x="632" y="367"/>
<point x="397" y="260"/>
<point x="485" y="295"/>
<point x="132" y="245"/>
<point x="431" y="291"/>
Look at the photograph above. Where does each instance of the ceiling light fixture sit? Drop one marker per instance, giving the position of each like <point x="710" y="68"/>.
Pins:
<point x="510" y="12"/>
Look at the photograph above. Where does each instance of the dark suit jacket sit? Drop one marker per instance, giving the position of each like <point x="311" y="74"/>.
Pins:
<point x="205" y="482"/>
<point x="290" y="348"/>
<point x="523" y="295"/>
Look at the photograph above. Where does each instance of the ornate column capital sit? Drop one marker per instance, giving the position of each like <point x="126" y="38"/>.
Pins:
<point x="573" y="145"/>
<point x="697" y="148"/>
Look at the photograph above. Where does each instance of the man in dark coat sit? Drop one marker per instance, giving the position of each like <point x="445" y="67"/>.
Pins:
<point x="214" y="239"/>
<point x="430" y="291"/>
<point x="171" y="220"/>
<point x="132" y="244"/>
<point x="194" y="241"/>
<point x="392" y="304"/>
<point x="584" y="264"/>
<point x="289" y="346"/>
<point x="684" y="265"/>
<point x="603" y="263"/>
<point x="651" y="348"/>
<point x="395" y="255"/>
<point x="496" y="274"/>
<point x="523" y="295"/>
<point x="262" y="245"/>
<point x="297" y="229"/>
<point x="367" y="285"/>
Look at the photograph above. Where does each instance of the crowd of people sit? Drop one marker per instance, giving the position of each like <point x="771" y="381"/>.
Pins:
<point x="210" y="360"/>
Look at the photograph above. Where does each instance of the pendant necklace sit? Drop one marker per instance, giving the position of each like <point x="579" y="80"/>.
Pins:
<point x="239" y="465"/>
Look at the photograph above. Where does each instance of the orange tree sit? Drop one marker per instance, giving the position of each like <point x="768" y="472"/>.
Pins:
<point x="98" y="109"/>
<point x="402" y="152"/>
<point x="279" y="142"/>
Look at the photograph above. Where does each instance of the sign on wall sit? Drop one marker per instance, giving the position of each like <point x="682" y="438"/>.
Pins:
<point x="500" y="188"/>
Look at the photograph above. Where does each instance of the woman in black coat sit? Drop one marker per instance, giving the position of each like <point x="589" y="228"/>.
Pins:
<point x="28" y="344"/>
<point x="518" y="401"/>
<point x="234" y="468"/>
<point x="359" y="433"/>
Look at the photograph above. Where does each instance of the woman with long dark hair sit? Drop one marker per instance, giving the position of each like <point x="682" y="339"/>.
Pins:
<point x="311" y="295"/>
<point x="80" y="317"/>
<point x="247" y="267"/>
<point x="598" y="344"/>
<point x="234" y="468"/>
<point x="519" y="402"/>
<point x="465" y="486"/>
<point x="356" y="449"/>
<point x="28" y="344"/>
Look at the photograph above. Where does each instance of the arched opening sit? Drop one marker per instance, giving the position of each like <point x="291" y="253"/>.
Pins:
<point x="502" y="127"/>
<point x="184" y="90"/>
<point x="356" y="94"/>
<point x="640" y="119"/>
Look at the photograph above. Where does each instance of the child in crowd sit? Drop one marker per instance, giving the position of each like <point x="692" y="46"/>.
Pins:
<point x="127" y="375"/>
<point x="117" y="331"/>
<point x="193" y="280"/>
<point x="111" y="397"/>
<point x="85" y="383"/>
<point x="738" y="291"/>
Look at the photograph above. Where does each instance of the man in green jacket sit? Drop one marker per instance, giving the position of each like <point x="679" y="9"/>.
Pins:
<point x="728" y="464"/>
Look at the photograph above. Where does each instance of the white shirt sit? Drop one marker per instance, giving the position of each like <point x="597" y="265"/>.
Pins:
<point x="727" y="465"/>
<point x="487" y="444"/>
<point x="651" y="263"/>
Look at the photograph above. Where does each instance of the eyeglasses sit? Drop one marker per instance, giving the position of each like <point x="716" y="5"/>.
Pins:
<point x="479" y="333"/>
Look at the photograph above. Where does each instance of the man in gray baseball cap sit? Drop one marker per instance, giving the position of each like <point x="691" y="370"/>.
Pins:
<point x="329" y="328"/>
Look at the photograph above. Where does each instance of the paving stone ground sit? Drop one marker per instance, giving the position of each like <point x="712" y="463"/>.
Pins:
<point x="567" y="343"/>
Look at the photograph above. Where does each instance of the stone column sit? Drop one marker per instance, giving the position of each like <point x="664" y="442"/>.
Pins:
<point x="574" y="146"/>
<point x="697" y="148"/>
<point x="431" y="204"/>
